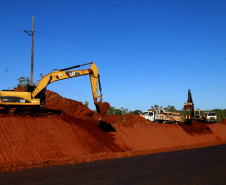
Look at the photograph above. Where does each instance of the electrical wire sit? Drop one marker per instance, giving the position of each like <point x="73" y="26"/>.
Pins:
<point x="11" y="29"/>
<point x="122" y="52"/>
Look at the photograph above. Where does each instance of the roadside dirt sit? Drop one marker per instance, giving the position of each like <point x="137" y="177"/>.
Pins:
<point x="78" y="136"/>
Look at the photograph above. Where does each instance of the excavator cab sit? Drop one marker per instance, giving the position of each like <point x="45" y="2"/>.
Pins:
<point x="197" y="115"/>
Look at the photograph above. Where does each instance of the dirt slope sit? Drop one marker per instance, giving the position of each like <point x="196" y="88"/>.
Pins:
<point x="77" y="136"/>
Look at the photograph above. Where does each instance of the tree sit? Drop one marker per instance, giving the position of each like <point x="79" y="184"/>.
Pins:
<point x="23" y="81"/>
<point x="118" y="112"/>
<point x="41" y="76"/>
<point x="137" y="112"/>
<point x="86" y="103"/>
<point x="114" y="111"/>
<point x="170" y="108"/>
<point x="111" y="111"/>
<point x="221" y="114"/>
<point x="156" y="107"/>
<point x="124" y="110"/>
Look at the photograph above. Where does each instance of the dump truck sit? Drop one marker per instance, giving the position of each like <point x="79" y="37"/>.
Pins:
<point x="160" y="116"/>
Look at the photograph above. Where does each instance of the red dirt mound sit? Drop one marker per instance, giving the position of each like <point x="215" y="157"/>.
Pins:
<point x="135" y="120"/>
<point x="71" y="107"/>
<point x="77" y="109"/>
<point x="113" y="119"/>
<point x="126" y="120"/>
<point x="27" y="139"/>
<point x="77" y="136"/>
<point x="196" y="128"/>
<point x="224" y="121"/>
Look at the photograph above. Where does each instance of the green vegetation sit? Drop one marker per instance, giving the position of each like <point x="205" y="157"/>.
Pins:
<point x="122" y="111"/>
<point x="23" y="81"/>
<point x="169" y="108"/>
<point x="221" y="114"/>
<point x="86" y="103"/>
<point x="137" y="112"/>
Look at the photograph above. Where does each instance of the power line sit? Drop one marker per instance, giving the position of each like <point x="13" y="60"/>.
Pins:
<point x="11" y="29"/>
<point x="122" y="52"/>
<point x="138" y="56"/>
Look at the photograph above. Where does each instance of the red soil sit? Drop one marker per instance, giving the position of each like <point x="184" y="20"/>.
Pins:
<point x="71" y="107"/>
<point x="223" y="121"/>
<point x="78" y="136"/>
<point x="196" y="128"/>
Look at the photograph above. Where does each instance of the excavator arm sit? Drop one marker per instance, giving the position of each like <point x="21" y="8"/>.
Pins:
<point x="68" y="73"/>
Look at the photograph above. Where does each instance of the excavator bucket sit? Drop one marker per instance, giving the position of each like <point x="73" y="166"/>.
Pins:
<point x="102" y="108"/>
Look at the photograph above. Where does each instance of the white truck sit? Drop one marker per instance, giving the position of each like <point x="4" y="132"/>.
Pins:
<point x="210" y="117"/>
<point x="160" y="116"/>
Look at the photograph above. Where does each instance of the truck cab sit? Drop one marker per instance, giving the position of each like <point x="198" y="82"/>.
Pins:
<point x="149" y="115"/>
<point x="210" y="117"/>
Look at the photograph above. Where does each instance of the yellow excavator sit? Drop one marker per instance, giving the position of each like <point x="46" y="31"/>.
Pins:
<point x="190" y="113"/>
<point x="35" y="95"/>
<point x="189" y="109"/>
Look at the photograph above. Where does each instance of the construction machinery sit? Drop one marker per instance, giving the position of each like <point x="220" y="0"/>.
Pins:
<point x="195" y="115"/>
<point x="160" y="116"/>
<point x="207" y="117"/>
<point x="189" y="108"/>
<point x="35" y="95"/>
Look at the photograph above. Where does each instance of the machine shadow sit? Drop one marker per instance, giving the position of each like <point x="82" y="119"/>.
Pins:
<point x="37" y="112"/>
<point x="106" y="127"/>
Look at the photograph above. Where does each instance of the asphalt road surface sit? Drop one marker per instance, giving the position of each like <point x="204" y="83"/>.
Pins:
<point x="195" y="166"/>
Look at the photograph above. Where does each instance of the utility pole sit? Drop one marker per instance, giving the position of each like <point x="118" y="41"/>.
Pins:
<point x="31" y="33"/>
<point x="32" y="51"/>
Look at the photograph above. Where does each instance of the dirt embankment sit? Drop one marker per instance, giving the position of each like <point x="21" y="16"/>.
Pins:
<point x="77" y="136"/>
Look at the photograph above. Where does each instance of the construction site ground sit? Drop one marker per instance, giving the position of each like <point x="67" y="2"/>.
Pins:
<point x="78" y="136"/>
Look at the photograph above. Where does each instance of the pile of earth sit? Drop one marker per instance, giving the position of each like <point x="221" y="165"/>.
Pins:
<point x="78" y="136"/>
<point x="223" y="121"/>
<point x="71" y="107"/>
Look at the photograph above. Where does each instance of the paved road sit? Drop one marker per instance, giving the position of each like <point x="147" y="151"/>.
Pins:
<point x="196" y="166"/>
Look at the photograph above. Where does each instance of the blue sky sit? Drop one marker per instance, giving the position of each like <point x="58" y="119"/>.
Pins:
<point x="148" y="51"/>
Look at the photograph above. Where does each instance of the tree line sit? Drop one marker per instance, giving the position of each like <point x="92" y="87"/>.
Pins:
<point x="122" y="111"/>
<point x="221" y="113"/>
